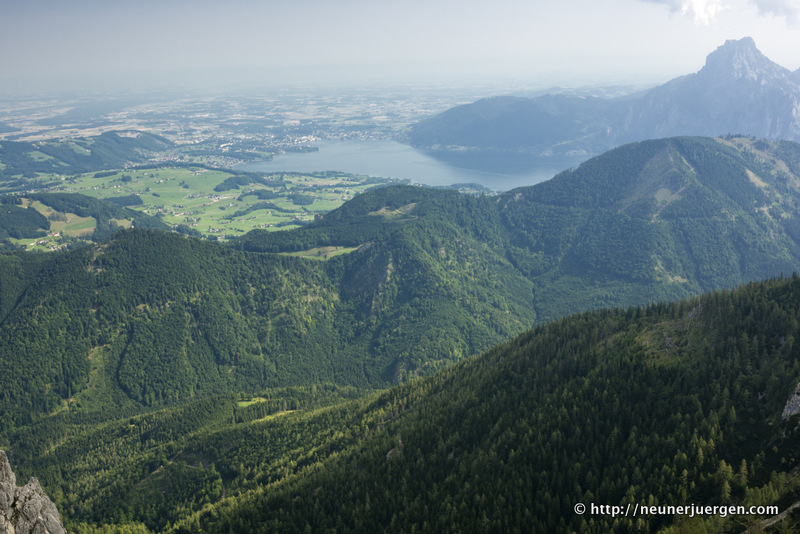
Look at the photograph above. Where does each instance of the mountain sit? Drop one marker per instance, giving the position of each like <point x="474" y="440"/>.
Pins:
<point x="689" y="403"/>
<point x="690" y="214"/>
<point x="149" y="319"/>
<point x="738" y="91"/>
<point x="669" y="405"/>
<point x="547" y="125"/>
<point x="158" y="381"/>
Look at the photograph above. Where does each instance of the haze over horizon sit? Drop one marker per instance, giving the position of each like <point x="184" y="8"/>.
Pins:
<point x="94" y="46"/>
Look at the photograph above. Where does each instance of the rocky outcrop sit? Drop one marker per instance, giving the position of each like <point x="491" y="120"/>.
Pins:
<point x="738" y="91"/>
<point x="27" y="509"/>
<point x="792" y="405"/>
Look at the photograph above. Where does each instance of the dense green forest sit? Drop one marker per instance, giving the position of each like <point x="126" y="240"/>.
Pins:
<point x="670" y="404"/>
<point x="152" y="318"/>
<point x="436" y="276"/>
<point x="656" y="220"/>
<point x="126" y="363"/>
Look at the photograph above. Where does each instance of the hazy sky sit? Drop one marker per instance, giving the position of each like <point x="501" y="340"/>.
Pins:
<point x="97" y="43"/>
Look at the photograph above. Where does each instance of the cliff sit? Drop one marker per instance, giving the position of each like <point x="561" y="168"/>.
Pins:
<point x="25" y="509"/>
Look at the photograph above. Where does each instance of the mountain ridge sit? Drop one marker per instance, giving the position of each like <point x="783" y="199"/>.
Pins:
<point x="673" y="403"/>
<point x="487" y="442"/>
<point x="738" y="91"/>
<point x="171" y="382"/>
<point x="432" y="277"/>
<point x="22" y="160"/>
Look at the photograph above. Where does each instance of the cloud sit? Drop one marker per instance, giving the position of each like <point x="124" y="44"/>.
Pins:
<point x="704" y="12"/>
<point x="790" y="9"/>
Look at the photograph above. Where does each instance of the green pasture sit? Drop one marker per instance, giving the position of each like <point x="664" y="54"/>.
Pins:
<point x="38" y="156"/>
<point x="187" y="196"/>
<point x="246" y="403"/>
<point x="321" y="253"/>
<point x="67" y="224"/>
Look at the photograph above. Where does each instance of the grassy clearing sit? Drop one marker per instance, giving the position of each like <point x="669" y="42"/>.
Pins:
<point x="74" y="226"/>
<point x="246" y="403"/>
<point x="38" y="156"/>
<point x="274" y="416"/>
<point x="79" y="149"/>
<point x="123" y="223"/>
<point x="392" y="214"/>
<point x="70" y="224"/>
<point x="321" y="253"/>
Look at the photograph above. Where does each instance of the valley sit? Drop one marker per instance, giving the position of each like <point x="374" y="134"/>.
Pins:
<point x="644" y="388"/>
<point x="189" y="343"/>
<point x="214" y="203"/>
<point x="149" y="347"/>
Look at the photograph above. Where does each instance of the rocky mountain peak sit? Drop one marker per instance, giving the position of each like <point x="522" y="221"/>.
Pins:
<point x="27" y="509"/>
<point x="741" y="60"/>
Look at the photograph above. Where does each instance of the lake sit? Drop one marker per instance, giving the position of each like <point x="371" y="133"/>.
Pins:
<point x="390" y="159"/>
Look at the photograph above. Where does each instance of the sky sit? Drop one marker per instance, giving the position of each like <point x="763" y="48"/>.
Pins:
<point x="93" y="45"/>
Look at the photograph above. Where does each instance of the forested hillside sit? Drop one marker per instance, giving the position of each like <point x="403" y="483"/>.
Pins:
<point x="149" y="318"/>
<point x="655" y="220"/>
<point x="77" y="219"/>
<point x="131" y="366"/>
<point x="672" y="404"/>
<point x="658" y="219"/>
<point x="23" y="160"/>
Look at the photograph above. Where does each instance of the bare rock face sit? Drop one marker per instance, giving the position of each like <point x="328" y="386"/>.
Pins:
<point x="25" y="510"/>
<point x="792" y="405"/>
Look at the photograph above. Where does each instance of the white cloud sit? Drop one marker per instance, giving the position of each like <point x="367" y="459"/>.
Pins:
<point x="790" y="9"/>
<point x="704" y="12"/>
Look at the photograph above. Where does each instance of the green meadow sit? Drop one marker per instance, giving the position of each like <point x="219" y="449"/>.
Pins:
<point x="197" y="198"/>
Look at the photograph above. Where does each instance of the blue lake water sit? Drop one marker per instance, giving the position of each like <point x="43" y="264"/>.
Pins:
<point x="390" y="159"/>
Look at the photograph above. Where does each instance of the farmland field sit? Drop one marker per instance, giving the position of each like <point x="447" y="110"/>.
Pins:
<point x="219" y="204"/>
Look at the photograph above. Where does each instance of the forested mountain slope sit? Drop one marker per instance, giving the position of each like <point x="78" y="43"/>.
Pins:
<point x="150" y="318"/>
<point x="672" y="404"/>
<point x="122" y="360"/>
<point x="655" y="220"/>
